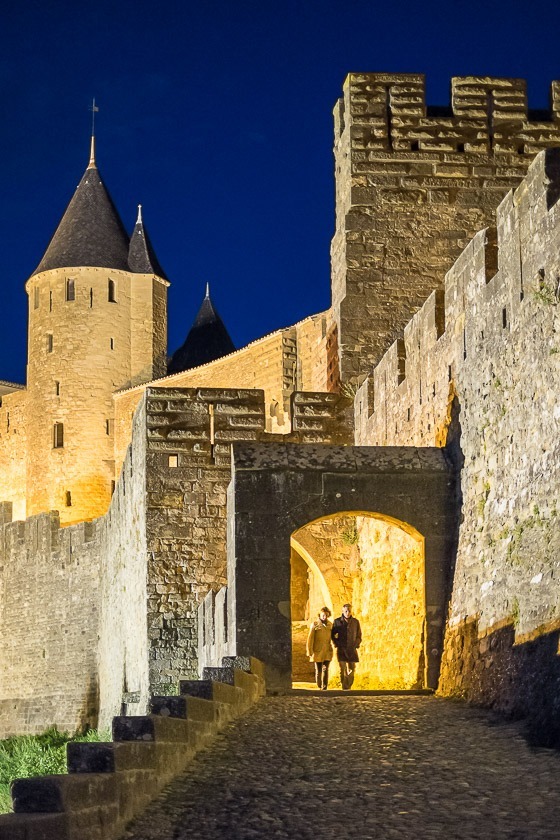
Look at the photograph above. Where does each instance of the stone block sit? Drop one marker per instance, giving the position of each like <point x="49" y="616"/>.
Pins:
<point x="57" y="794"/>
<point x="110" y="757"/>
<point x="34" y="827"/>
<point x="150" y="728"/>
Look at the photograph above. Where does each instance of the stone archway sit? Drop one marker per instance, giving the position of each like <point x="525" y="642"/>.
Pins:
<point x="377" y="565"/>
<point x="276" y="489"/>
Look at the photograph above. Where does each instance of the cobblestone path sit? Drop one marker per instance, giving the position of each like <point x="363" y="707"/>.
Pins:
<point x="362" y="767"/>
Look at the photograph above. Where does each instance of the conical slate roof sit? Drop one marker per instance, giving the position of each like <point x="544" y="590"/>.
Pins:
<point x="141" y="255"/>
<point x="208" y="339"/>
<point x="91" y="231"/>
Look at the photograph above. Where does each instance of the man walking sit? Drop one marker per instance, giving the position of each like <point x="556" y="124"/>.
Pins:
<point x="347" y="636"/>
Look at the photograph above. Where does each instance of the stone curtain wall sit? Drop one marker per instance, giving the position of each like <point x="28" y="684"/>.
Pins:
<point x="413" y="185"/>
<point x="73" y="613"/>
<point x="13" y="451"/>
<point x="49" y="613"/>
<point x="495" y="370"/>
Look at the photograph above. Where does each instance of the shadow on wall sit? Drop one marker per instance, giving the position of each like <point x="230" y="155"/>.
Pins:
<point x="521" y="681"/>
<point x="90" y="716"/>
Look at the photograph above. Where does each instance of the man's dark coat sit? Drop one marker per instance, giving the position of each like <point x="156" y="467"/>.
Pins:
<point x="346" y="635"/>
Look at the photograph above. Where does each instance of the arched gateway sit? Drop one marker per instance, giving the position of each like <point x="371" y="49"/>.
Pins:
<point x="376" y="564"/>
<point x="276" y="489"/>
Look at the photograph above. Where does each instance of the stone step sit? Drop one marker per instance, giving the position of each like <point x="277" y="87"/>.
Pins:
<point x="150" y="728"/>
<point x="190" y="707"/>
<point x="110" y="757"/>
<point x="208" y="690"/>
<point x="230" y="674"/>
<point x="219" y="674"/>
<point x="245" y="663"/>
<point x="56" y="794"/>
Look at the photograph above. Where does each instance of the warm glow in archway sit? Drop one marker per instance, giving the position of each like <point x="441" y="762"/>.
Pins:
<point x="376" y="563"/>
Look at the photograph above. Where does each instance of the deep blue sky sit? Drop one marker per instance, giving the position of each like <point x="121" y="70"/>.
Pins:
<point x="216" y="115"/>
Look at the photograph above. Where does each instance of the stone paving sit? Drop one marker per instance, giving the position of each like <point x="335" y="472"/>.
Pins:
<point x="362" y="767"/>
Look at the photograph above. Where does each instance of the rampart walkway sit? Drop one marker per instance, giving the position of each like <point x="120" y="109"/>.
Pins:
<point x="362" y="767"/>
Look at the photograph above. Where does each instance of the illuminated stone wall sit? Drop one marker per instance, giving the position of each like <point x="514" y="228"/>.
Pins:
<point x="49" y="612"/>
<point x="483" y="361"/>
<point x="388" y="597"/>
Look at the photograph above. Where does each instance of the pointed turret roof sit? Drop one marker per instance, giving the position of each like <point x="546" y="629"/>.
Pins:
<point x="91" y="231"/>
<point x="208" y="339"/>
<point x="141" y="255"/>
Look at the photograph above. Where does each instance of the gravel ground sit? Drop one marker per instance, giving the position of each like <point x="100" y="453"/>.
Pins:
<point x="363" y="767"/>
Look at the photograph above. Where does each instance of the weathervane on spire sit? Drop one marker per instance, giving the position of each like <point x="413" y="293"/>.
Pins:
<point x="94" y="109"/>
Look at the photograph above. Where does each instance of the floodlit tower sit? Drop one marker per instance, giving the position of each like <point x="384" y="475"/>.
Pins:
<point x="97" y="323"/>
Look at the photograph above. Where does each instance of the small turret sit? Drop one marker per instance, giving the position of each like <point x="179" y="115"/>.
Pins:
<point x="141" y="255"/>
<point x="208" y="339"/>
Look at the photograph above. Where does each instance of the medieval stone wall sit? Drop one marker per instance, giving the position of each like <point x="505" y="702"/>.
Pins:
<point x="49" y="601"/>
<point x="122" y="650"/>
<point x="483" y="361"/>
<point x="413" y="185"/>
<point x="73" y="612"/>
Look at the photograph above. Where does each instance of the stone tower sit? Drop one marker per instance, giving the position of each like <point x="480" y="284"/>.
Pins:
<point x="413" y="185"/>
<point x="97" y="322"/>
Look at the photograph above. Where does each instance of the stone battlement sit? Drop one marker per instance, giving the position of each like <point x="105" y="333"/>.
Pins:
<point x="388" y="112"/>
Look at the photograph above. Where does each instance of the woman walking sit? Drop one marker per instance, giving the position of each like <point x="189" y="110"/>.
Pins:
<point x="319" y="647"/>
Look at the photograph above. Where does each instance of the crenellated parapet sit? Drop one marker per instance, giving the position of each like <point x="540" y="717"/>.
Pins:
<point x="388" y="112"/>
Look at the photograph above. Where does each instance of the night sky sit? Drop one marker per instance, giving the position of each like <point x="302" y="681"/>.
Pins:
<point x="216" y="115"/>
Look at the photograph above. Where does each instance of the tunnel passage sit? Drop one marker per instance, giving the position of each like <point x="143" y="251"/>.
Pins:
<point x="278" y="489"/>
<point x="377" y="565"/>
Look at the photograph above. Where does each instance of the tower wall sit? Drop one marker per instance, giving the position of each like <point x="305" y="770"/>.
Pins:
<point x="148" y="328"/>
<point x="413" y="185"/>
<point x="80" y="351"/>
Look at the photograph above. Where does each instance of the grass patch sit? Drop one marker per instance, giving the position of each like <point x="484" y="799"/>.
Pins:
<point x="24" y="756"/>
